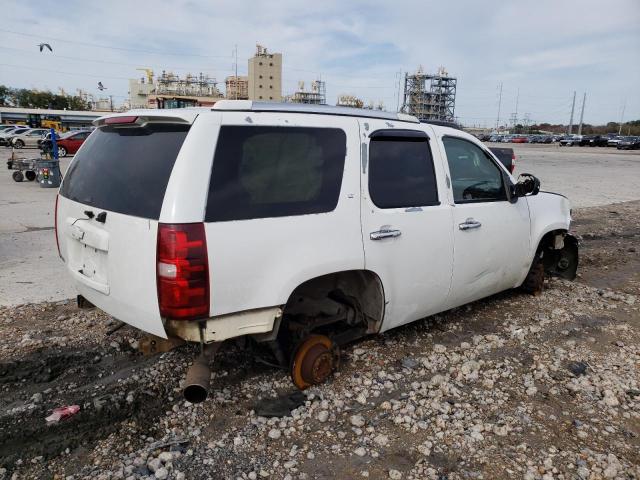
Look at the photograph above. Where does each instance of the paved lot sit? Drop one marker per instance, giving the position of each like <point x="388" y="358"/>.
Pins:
<point x="30" y="270"/>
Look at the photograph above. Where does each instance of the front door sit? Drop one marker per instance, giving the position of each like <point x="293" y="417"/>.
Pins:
<point x="406" y="220"/>
<point x="491" y="234"/>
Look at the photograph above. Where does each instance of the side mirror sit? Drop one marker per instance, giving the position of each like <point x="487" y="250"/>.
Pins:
<point x="527" y="185"/>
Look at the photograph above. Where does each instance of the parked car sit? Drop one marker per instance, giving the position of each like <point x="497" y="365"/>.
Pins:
<point x="298" y="227"/>
<point x="506" y="156"/>
<point x="507" y="138"/>
<point x="27" y="138"/>
<point x="570" y="141"/>
<point x="629" y="143"/>
<point x="7" y="133"/>
<point x="594" y="141"/>
<point x="495" y="138"/>
<point x="47" y="137"/>
<point x="520" y="139"/>
<point x="613" y="141"/>
<point x="68" y="143"/>
<point x="544" y="139"/>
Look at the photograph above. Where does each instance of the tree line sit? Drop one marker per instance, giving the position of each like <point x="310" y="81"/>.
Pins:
<point x="28" y="98"/>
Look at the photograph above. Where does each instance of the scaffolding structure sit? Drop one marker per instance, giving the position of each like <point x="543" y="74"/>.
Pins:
<point x="190" y="86"/>
<point x="316" y="96"/>
<point x="429" y="96"/>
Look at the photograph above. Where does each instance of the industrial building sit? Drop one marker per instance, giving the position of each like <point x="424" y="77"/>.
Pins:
<point x="237" y="88"/>
<point x="349" y="101"/>
<point x="265" y="76"/>
<point x="171" y="91"/>
<point x="316" y="96"/>
<point x="61" y="120"/>
<point x="430" y="96"/>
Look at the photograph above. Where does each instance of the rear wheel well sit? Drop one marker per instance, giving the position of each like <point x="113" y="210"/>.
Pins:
<point x="343" y="306"/>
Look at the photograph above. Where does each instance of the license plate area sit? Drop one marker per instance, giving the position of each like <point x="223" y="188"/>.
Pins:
<point x="93" y="264"/>
<point x="88" y="254"/>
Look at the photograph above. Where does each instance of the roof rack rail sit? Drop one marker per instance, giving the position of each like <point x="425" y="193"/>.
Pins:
<point x="252" y="106"/>
<point x="443" y="123"/>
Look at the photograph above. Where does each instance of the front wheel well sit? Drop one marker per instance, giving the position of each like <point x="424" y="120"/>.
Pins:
<point x="558" y="252"/>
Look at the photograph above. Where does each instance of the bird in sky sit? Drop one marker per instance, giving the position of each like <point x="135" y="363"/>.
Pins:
<point x="45" y="45"/>
<point x="101" y="87"/>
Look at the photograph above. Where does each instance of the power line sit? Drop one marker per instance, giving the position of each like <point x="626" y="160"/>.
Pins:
<point x="82" y="59"/>
<point x="111" y="47"/>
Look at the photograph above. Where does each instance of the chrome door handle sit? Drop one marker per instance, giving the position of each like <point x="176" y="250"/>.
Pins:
<point x="384" y="233"/>
<point x="468" y="224"/>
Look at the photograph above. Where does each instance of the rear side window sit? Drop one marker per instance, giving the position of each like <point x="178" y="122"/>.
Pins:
<point x="125" y="170"/>
<point x="261" y="172"/>
<point x="401" y="172"/>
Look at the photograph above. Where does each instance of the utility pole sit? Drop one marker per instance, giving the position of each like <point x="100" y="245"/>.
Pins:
<point x="573" y="106"/>
<point x="111" y="102"/>
<point x="584" y="99"/>
<point x="235" y="50"/>
<point x="398" y="93"/>
<point x="499" y="106"/>
<point x="621" y="116"/>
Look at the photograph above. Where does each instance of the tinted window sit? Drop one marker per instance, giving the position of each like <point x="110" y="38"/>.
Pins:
<point x="401" y="173"/>
<point x="474" y="176"/>
<point x="125" y="170"/>
<point x="263" y="172"/>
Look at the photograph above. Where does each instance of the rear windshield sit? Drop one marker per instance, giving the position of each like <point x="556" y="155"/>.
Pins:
<point x="125" y="170"/>
<point x="261" y="172"/>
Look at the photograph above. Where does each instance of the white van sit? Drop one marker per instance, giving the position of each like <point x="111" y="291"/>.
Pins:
<point x="301" y="227"/>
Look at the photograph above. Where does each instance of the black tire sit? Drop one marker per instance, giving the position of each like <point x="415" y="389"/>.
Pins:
<point x="534" y="281"/>
<point x="18" y="143"/>
<point x="17" y="176"/>
<point x="30" y="175"/>
<point x="62" y="152"/>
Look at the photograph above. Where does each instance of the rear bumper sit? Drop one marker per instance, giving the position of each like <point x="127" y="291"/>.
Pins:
<point x="262" y="321"/>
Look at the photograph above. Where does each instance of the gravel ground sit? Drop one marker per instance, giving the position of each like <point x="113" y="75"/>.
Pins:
<point x="514" y="386"/>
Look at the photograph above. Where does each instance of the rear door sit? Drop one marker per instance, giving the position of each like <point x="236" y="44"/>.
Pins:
<point x="406" y="220"/>
<point x="491" y="235"/>
<point x="107" y="217"/>
<point x="283" y="206"/>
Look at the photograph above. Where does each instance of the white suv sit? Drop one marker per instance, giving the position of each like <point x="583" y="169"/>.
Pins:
<point x="299" y="227"/>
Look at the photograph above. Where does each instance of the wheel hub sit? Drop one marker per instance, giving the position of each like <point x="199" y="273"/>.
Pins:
<point x="313" y="362"/>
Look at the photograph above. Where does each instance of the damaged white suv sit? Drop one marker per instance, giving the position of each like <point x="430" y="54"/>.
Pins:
<point x="297" y="227"/>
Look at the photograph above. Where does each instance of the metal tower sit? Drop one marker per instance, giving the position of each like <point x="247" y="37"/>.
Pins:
<point x="430" y="97"/>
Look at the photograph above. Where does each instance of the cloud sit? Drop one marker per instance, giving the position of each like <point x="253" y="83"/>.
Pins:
<point x="545" y="49"/>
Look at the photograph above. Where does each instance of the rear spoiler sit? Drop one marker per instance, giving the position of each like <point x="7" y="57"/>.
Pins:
<point x="133" y="119"/>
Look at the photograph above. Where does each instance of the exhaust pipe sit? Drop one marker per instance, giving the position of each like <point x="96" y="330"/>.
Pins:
<point x="198" y="380"/>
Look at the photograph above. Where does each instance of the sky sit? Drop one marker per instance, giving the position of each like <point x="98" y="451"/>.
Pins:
<point x="539" y="51"/>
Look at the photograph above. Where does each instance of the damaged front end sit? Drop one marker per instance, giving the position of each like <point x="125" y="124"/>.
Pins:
<point x="560" y="256"/>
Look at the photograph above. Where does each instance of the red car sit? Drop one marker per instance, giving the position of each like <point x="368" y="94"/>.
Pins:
<point x="520" y="139"/>
<point x="70" y="142"/>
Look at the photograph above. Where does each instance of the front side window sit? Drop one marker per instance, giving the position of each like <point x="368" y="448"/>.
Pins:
<point x="261" y="172"/>
<point x="401" y="172"/>
<point x="474" y="176"/>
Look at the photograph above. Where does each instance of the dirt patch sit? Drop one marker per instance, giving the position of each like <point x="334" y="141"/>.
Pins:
<point x="512" y="386"/>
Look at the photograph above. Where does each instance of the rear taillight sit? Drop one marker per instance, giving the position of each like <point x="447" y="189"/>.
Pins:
<point x="513" y="163"/>
<point x="182" y="271"/>
<point x="55" y="225"/>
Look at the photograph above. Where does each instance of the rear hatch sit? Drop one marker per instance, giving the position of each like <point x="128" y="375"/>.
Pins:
<point x="107" y="215"/>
